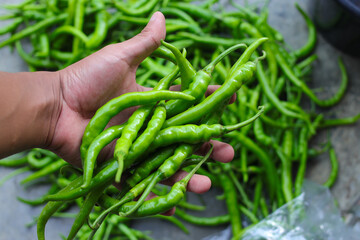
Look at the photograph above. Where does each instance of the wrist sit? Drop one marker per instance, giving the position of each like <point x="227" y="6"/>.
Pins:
<point x="52" y="105"/>
<point x="31" y="104"/>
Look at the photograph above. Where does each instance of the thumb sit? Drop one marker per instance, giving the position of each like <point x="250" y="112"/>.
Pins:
<point x="136" y="49"/>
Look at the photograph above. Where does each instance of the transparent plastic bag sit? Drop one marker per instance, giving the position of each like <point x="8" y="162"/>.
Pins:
<point x="311" y="216"/>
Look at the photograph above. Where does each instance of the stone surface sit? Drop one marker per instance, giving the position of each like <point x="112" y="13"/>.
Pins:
<point x="346" y="140"/>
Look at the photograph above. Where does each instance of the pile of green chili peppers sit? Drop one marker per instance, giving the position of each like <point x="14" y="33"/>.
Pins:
<point x="161" y="136"/>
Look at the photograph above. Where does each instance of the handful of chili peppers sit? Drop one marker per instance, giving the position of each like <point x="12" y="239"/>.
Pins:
<point x="170" y="139"/>
<point x="161" y="136"/>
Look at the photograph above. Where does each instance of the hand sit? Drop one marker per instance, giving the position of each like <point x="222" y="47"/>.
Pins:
<point x="106" y="74"/>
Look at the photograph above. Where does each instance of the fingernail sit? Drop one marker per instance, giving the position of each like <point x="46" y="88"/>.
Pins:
<point x="154" y="17"/>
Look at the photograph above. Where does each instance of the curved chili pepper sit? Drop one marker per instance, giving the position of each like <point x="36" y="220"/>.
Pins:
<point x="166" y="170"/>
<point x="186" y="69"/>
<point x="147" y="166"/>
<point x="53" y="167"/>
<point x="134" y="124"/>
<point x="173" y="220"/>
<point x="39" y="158"/>
<point x="33" y="61"/>
<point x="180" y="14"/>
<point x="213" y="41"/>
<point x="338" y="122"/>
<point x="303" y="145"/>
<point x="334" y="168"/>
<point x="193" y="10"/>
<point x="263" y="157"/>
<point x="85" y="210"/>
<point x="52" y="207"/>
<point x="101" y="26"/>
<point x="116" y="105"/>
<point x="240" y="76"/>
<point x="12" y="26"/>
<point x="103" y="139"/>
<point x="195" y="134"/>
<point x="164" y="53"/>
<point x="78" y="23"/>
<point x="311" y="42"/>
<point x="136" y="12"/>
<point x="198" y="85"/>
<point x="29" y="30"/>
<point x="297" y="82"/>
<point x="203" y="221"/>
<point x="231" y="203"/>
<point x="158" y="204"/>
<point x="10" y="162"/>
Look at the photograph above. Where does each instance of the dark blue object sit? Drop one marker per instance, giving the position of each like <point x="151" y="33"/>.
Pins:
<point x="339" y="22"/>
<point x="352" y="6"/>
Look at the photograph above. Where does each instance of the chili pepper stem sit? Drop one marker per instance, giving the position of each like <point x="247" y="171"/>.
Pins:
<point x="244" y="123"/>
<point x="153" y="182"/>
<point x="102" y="216"/>
<point x="186" y="179"/>
<point x="210" y="67"/>
<point x="247" y="54"/>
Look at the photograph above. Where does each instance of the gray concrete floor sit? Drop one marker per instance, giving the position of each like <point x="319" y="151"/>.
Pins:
<point x="346" y="140"/>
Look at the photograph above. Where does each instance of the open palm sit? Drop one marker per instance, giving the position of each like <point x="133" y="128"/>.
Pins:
<point x="93" y="81"/>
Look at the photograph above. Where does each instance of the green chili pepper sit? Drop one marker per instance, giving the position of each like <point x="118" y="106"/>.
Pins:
<point x="263" y="157"/>
<point x="297" y="82"/>
<point x="85" y="210"/>
<point x="336" y="122"/>
<point x="257" y="196"/>
<point x="128" y="135"/>
<point x="246" y="27"/>
<point x="249" y="214"/>
<point x="173" y="220"/>
<point x="103" y="139"/>
<point x="114" y="106"/>
<point x="231" y="203"/>
<point x="195" y="28"/>
<point x="147" y="166"/>
<point x="13" y="174"/>
<point x="193" y="10"/>
<point x="167" y="169"/>
<point x="195" y="134"/>
<point x="334" y="168"/>
<point x="135" y="12"/>
<point x="12" y="26"/>
<point x="203" y="221"/>
<point x="286" y="164"/>
<point x="213" y="41"/>
<point x="135" y="122"/>
<point x="303" y="145"/>
<point x="273" y="98"/>
<point x="186" y="69"/>
<point x="198" y="85"/>
<point x="35" y="202"/>
<point x="53" y="167"/>
<point x="79" y="13"/>
<point x="52" y="207"/>
<point x="190" y="206"/>
<point x="260" y="134"/>
<point x="70" y="30"/>
<point x="36" y="62"/>
<point x="29" y="30"/>
<point x="14" y="162"/>
<point x="164" y="53"/>
<point x="311" y="42"/>
<point x="158" y="204"/>
<point x="241" y="75"/>
<point x="101" y="26"/>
